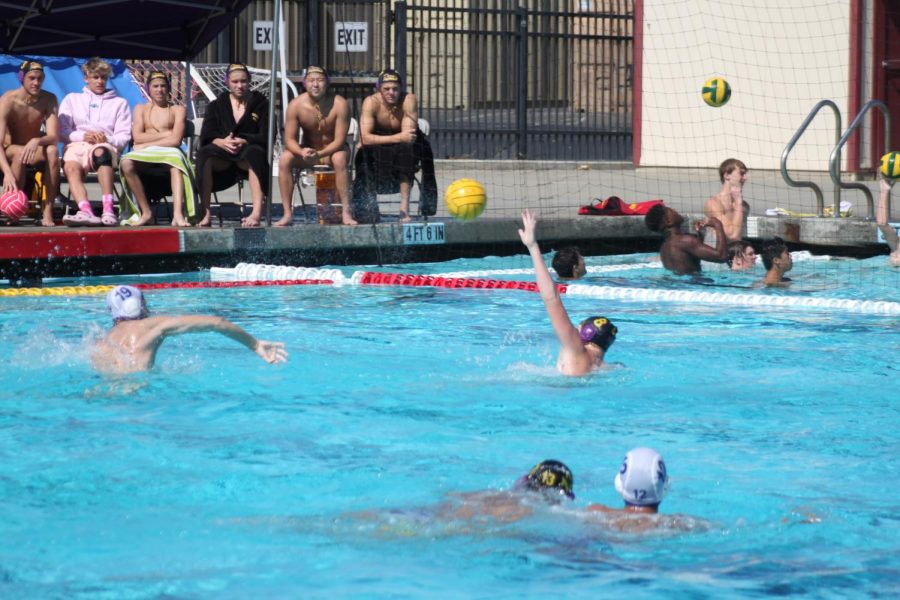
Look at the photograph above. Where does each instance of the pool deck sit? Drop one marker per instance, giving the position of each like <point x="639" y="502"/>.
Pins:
<point x="555" y="190"/>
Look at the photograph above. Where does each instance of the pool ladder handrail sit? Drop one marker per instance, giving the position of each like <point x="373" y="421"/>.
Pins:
<point x="820" y="200"/>
<point x="835" y="159"/>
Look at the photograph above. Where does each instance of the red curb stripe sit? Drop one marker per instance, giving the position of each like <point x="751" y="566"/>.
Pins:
<point x="64" y="244"/>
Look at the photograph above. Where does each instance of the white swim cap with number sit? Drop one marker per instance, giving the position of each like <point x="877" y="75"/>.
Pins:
<point x="642" y="479"/>
<point x="125" y="302"/>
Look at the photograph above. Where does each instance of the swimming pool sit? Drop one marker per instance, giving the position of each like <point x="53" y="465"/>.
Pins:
<point x="220" y="476"/>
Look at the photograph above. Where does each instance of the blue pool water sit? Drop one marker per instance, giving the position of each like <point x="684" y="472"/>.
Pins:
<point x="217" y="475"/>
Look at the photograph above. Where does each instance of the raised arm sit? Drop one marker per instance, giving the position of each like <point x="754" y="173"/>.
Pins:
<point x="271" y="352"/>
<point x="568" y="336"/>
<point x="732" y="226"/>
<point x="881" y="213"/>
<point x="692" y="244"/>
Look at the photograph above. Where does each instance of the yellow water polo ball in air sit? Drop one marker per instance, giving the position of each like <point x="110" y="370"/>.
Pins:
<point x="465" y="199"/>
<point x="716" y="92"/>
<point x="890" y="165"/>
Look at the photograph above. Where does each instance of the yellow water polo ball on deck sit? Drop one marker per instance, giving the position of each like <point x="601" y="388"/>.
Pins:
<point x="465" y="199"/>
<point x="890" y="165"/>
<point x="716" y="92"/>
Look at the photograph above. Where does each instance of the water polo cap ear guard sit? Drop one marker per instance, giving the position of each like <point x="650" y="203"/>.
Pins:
<point x="599" y="331"/>
<point x="549" y="475"/>
<point x="388" y="76"/>
<point x="26" y="66"/>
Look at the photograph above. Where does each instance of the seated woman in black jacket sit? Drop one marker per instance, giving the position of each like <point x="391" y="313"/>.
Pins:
<point x="234" y="139"/>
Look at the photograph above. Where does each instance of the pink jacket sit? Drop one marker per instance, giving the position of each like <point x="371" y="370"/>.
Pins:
<point x="85" y="111"/>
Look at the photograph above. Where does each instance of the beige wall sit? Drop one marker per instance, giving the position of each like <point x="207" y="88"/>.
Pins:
<point x="779" y="59"/>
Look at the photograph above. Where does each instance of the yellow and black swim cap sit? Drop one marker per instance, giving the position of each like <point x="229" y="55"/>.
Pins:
<point x="548" y="475"/>
<point x="389" y="76"/>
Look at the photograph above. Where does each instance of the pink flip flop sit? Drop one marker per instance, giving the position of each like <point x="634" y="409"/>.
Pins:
<point x="81" y="218"/>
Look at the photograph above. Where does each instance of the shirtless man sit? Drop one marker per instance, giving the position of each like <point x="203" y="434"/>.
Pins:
<point x="728" y="205"/>
<point x="642" y="481"/>
<point x="131" y="344"/>
<point x="777" y="261"/>
<point x="157" y="123"/>
<point x="325" y="120"/>
<point x="581" y="350"/>
<point x="390" y="116"/>
<point x="681" y="253"/>
<point x="22" y="113"/>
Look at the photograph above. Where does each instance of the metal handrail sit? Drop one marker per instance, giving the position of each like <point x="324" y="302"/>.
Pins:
<point x="834" y="160"/>
<point x="820" y="200"/>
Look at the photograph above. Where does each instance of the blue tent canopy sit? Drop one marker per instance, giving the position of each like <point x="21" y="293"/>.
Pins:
<point x="63" y="76"/>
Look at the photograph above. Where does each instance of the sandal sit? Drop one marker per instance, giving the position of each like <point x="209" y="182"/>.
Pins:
<point x="81" y="218"/>
<point x="109" y="219"/>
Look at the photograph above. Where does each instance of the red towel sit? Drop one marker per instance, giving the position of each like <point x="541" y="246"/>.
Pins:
<point x="616" y="207"/>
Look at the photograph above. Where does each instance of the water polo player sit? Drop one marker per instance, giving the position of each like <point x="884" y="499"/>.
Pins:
<point x="581" y="349"/>
<point x="132" y="343"/>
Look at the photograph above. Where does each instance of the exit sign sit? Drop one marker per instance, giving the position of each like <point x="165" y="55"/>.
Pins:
<point x="351" y="36"/>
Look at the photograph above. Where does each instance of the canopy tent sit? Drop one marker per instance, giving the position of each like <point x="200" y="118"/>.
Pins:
<point x="147" y="29"/>
<point x="63" y="76"/>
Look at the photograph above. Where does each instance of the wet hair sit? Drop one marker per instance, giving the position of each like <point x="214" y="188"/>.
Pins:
<point x="655" y="217"/>
<point x="772" y="249"/>
<point x="565" y="261"/>
<point x="728" y="165"/>
<point x="735" y="250"/>
<point x="97" y="66"/>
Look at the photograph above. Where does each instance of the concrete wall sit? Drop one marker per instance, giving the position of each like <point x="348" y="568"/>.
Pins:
<point x="780" y="59"/>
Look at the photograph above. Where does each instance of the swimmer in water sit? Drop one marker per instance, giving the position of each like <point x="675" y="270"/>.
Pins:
<point x="582" y="349"/>
<point x="741" y="256"/>
<point x="777" y="261"/>
<point x="568" y="264"/>
<point x="132" y="343"/>
<point x="642" y="481"/>
<point x="549" y="483"/>
<point x="681" y="252"/>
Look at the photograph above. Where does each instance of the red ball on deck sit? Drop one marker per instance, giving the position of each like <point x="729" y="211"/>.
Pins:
<point x="14" y="205"/>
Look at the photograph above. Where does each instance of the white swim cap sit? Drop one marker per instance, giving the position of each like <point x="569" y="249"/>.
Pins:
<point x="125" y="302"/>
<point x="642" y="479"/>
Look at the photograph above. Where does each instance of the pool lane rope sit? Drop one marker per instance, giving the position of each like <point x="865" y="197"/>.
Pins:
<point x="93" y="290"/>
<point x="247" y="274"/>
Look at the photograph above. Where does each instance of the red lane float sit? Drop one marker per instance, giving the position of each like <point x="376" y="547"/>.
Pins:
<point x="372" y="278"/>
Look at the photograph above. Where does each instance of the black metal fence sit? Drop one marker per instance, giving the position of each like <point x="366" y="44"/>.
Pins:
<point x="511" y="79"/>
<point x="535" y="79"/>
